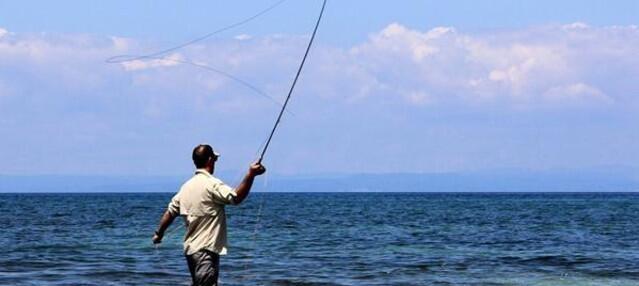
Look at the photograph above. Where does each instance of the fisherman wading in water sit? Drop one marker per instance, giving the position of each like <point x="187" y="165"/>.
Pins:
<point x="201" y="201"/>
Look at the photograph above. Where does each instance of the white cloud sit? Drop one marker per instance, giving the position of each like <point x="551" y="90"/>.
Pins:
<point x="560" y="65"/>
<point x="401" y="82"/>
<point x="243" y="37"/>
<point x="419" y="98"/>
<point x="527" y="66"/>
<point x="576" y="26"/>
<point x="397" y="39"/>
<point x="576" y="92"/>
<point x="121" y="44"/>
<point x="143" y="64"/>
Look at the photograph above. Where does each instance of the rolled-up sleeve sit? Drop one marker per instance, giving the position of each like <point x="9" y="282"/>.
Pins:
<point x="223" y="193"/>
<point x="174" y="205"/>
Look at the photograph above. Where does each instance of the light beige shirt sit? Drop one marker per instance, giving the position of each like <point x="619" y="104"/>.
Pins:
<point x="201" y="201"/>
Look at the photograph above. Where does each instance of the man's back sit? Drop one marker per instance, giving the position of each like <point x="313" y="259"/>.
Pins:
<point x="201" y="201"/>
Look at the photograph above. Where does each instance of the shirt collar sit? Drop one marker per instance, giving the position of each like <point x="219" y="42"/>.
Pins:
<point x="203" y="172"/>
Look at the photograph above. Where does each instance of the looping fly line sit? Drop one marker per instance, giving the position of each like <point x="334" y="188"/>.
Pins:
<point x="161" y="55"/>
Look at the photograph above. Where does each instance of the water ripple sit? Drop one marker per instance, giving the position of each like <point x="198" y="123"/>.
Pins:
<point x="332" y="239"/>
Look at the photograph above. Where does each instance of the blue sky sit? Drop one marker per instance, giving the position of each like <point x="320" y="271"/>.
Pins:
<point x="348" y="21"/>
<point x="390" y="86"/>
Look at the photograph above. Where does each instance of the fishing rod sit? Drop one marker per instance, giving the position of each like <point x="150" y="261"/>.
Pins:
<point x="279" y="118"/>
<point x="297" y="75"/>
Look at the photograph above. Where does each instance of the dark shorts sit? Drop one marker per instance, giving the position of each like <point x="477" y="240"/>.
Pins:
<point x="204" y="266"/>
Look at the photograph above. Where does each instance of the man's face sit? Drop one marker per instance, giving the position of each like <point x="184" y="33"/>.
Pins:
<point x="212" y="163"/>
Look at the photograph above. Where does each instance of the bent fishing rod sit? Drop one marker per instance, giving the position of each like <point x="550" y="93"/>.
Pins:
<point x="290" y="91"/>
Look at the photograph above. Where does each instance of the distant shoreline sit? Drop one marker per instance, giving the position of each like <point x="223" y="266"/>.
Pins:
<point x="515" y="181"/>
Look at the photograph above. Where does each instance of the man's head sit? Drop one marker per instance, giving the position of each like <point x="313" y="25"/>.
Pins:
<point x="204" y="157"/>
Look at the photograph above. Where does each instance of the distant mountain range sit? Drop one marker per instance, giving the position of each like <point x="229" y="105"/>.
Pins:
<point x="466" y="182"/>
<point x="591" y="180"/>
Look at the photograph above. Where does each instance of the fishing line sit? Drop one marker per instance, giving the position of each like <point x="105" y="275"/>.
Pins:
<point x="129" y="58"/>
<point x="179" y="226"/>
<point x="158" y="55"/>
<point x="258" y="218"/>
<point x="297" y="75"/>
<point x="223" y="73"/>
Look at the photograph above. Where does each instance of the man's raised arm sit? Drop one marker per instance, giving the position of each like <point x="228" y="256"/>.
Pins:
<point x="244" y="187"/>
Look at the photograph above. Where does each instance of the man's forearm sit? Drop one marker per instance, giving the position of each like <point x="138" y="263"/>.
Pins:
<point x="244" y="188"/>
<point x="165" y="221"/>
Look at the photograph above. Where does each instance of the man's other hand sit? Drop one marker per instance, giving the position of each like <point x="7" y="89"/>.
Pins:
<point x="156" y="238"/>
<point x="257" y="169"/>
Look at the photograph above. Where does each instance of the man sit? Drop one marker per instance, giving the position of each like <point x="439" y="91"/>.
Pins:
<point x="201" y="201"/>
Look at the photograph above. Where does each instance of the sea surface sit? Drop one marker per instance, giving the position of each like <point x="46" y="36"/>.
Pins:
<point x="331" y="239"/>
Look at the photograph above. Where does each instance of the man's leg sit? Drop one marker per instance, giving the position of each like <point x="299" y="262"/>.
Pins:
<point x="204" y="266"/>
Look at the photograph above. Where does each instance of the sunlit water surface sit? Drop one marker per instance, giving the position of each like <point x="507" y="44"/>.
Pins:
<point x="331" y="239"/>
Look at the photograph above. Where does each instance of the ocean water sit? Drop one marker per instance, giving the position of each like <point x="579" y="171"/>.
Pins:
<point x="331" y="239"/>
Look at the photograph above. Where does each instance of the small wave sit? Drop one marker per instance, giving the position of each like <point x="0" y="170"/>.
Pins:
<point x="291" y="282"/>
